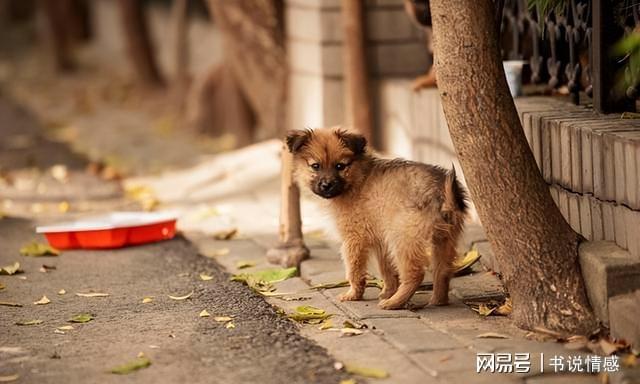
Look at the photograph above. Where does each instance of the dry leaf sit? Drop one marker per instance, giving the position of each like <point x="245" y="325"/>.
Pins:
<point x="230" y="325"/>
<point x="630" y="361"/>
<point x="466" y="261"/>
<point x="506" y="308"/>
<point x="9" y="378"/>
<point x="38" y="249"/>
<point x="147" y="300"/>
<point x="485" y="310"/>
<point x="348" y="381"/>
<point x="2" y="286"/>
<point x="204" y="313"/>
<point x="59" y="332"/>
<point x="29" y="322"/>
<point x="10" y="304"/>
<point x="181" y="297"/>
<point x="92" y="294"/>
<point x="63" y="207"/>
<point x="65" y="327"/>
<point x="245" y="264"/>
<point x="374" y="373"/>
<point x="222" y="319"/>
<point x="326" y="324"/>
<point x="226" y="234"/>
<point x="205" y="277"/>
<point x="607" y="347"/>
<point x="492" y="335"/>
<point x="62" y="292"/>
<point x="307" y="314"/>
<point x="11" y="269"/>
<point x="44" y="300"/>
<point x="350" y="332"/>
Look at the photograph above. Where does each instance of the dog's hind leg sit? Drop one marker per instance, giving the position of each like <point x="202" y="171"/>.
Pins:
<point x="444" y="254"/>
<point x="410" y="259"/>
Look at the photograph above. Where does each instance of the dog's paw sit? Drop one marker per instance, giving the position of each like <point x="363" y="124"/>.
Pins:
<point x="439" y="302"/>
<point x="350" y="295"/>
<point x="390" y="304"/>
<point x="385" y="294"/>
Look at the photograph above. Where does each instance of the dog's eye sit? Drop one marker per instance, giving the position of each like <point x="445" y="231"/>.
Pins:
<point x="341" y="166"/>
<point x="315" y="166"/>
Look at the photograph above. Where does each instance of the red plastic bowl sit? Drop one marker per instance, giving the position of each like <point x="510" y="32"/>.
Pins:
<point x="113" y="230"/>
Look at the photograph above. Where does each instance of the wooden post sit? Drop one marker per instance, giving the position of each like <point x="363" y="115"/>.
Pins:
<point x="358" y="106"/>
<point x="290" y="250"/>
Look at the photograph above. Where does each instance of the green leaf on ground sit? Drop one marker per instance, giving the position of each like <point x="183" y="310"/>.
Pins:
<point x="81" y="318"/>
<point x="308" y="314"/>
<point x="188" y="295"/>
<point x="11" y="269"/>
<point x="38" y="249"/>
<point x="262" y="281"/>
<point x="374" y="373"/>
<point x="10" y="304"/>
<point x="132" y="366"/>
<point x="29" y="322"/>
<point x="245" y="264"/>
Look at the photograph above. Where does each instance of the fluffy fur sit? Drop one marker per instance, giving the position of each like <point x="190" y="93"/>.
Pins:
<point x="408" y="214"/>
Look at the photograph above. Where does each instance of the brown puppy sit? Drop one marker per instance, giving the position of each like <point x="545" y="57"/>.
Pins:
<point x="408" y="214"/>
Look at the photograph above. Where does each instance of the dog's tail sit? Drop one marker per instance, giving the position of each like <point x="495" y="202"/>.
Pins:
<point x="454" y="207"/>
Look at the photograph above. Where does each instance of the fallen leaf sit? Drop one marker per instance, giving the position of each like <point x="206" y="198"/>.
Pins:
<point x="485" y="310"/>
<point x="38" y="249"/>
<point x="2" y="286"/>
<point x="10" y="304"/>
<point x="147" y="300"/>
<point x="81" y="318"/>
<point x="132" y="366"/>
<point x="505" y="309"/>
<point x="60" y="173"/>
<point x="492" y="335"/>
<point x="141" y="355"/>
<point x="92" y="294"/>
<point x="205" y="277"/>
<point x="630" y="361"/>
<point x="222" y="319"/>
<point x="59" y="332"/>
<point x="44" y="300"/>
<point x="374" y="373"/>
<point x="607" y="347"/>
<point x="65" y="327"/>
<point x="22" y="277"/>
<point x="144" y="195"/>
<point x="29" y="322"/>
<point x="181" y="297"/>
<point x="350" y="332"/>
<point x="296" y="298"/>
<point x="63" y="207"/>
<point x="326" y="324"/>
<point x="204" y="313"/>
<point x="466" y="261"/>
<point x="11" y="269"/>
<point x="371" y="283"/>
<point x="226" y="234"/>
<point x="274" y="294"/>
<point x="245" y="264"/>
<point x="217" y="252"/>
<point x="261" y="280"/>
<point x="348" y="381"/>
<point x="307" y="313"/>
<point x="9" y="378"/>
<point x="62" y="292"/>
<point x="349" y="324"/>
<point x="230" y="325"/>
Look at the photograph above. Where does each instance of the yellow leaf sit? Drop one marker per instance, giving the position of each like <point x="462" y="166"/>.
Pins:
<point x="92" y="294"/>
<point x="492" y="335"/>
<point x="9" y="378"/>
<point x="38" y="249"/>
<point x="147" y="300"/>
<point x="230" y="325"/>
<point x="466" y="261"/>
<point x="351" y="332"/>
<point x="506" y="308"/>
<point x="374" y="373"/>
<point x="326" y="324"/>
<point x="62" y="292"/>
<point x="29" y="322"/>
<point x="63" y="207"/>
<point x="630" y="361"/>
<point x="10" y="269"/>
<point x="10" y="304"/>
<point x="205" y="277"/>
<point x="348" y="381"/>
<point x="188" y="295"/>
<point x="245" y="264"/>
<point x="65" y="327"/>
<point x="138" y="363"/>
<point x="204" y="313"/>
<point x="44" y="300"/>
<point x="222" y="319"/>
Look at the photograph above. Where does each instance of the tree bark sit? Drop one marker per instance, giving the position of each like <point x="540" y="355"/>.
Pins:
<point x="58" y="37"/>
<point x="181" y="78"/>
<point x="536" y="248"/>
<point x="358" y="104"/>
<point x="253" y="37"/>
<point x="139" y="45"/>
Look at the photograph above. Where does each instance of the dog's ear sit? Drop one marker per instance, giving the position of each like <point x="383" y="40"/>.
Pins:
<point x="297" y="139"/>
<point x="354" y="141"/>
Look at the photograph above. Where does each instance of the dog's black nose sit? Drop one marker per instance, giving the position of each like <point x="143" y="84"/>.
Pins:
<point x="326" y="186"/>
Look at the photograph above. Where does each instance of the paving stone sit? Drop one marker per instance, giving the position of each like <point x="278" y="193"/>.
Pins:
<point x="370" y="350"/>
<point x="367" y="308"/>
<point x="632" y="225"/>
<point x="586" y="224"/>
<point x="608" y="223"/>
<point x="446" y="361"/>
<point x="597" y="225"/>
<point x="564" y="379"/>
<point x="412" y="335"/>
<point x="608" y="271"/>
<point x="325" y="277"/>
<point x="574" y="211"/>
<point x="624" y="312"/>
<point x="479" y="378"/>
<point x="477" y="287"/>
<point x="619" y="226"/>
<point x="443" y="316"/>
<point x="313" y="267"/>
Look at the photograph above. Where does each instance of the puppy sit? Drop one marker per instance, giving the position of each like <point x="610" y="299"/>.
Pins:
<point x="408" y="214"/>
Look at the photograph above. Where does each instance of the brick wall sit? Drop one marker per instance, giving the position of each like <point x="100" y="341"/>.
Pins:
<point x="396" y="48"/>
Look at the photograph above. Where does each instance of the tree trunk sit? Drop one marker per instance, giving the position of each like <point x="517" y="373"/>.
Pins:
<point x="355" y="67"/>
<point x="181" y="79"/>
<point x="253" y="36"/>
<point x="58" y="36"/>
<point x="139" y="46"/>
<point x="536" y="248"/>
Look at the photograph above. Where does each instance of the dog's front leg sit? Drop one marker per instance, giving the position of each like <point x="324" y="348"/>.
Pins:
<point x="355" y="258"/>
